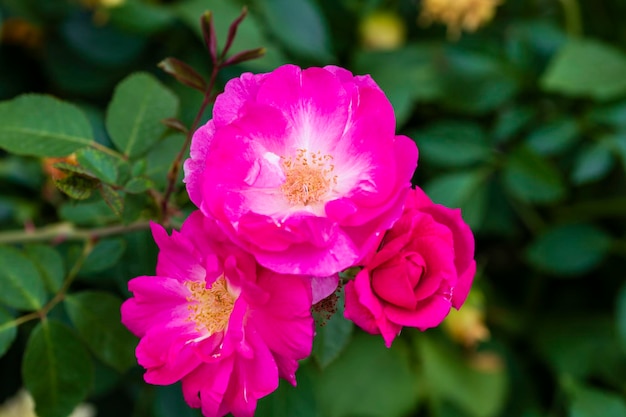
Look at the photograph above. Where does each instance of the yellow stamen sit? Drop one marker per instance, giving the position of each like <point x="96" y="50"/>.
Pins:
<point x="210" y="308"/>
<point x="308" y="177"/>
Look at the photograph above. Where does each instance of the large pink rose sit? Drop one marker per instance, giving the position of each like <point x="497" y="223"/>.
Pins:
<point x="217" y="321"/>
<point x="302" y="168"/>
<point x="424" y="266"/>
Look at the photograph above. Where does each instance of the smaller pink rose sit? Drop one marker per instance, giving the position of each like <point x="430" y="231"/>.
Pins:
<point x="424" y="266"/>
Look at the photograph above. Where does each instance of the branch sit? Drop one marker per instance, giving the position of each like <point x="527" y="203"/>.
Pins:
<point x="67" y="231"/>
<point x="172" y="175"/>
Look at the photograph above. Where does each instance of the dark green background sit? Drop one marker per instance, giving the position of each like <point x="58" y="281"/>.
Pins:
<point x="522" y="125"/>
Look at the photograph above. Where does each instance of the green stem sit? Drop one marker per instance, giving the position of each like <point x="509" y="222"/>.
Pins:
<point x="67" y="231"/>
<point x="172" y="174"/>
<point x="573" y="21"/>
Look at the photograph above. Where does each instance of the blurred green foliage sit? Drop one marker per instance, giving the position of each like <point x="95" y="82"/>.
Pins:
<point x="521" y="124"/>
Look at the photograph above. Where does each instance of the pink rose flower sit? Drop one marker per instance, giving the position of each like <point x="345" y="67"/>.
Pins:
<point x="424" y="266"/>
<point x="215" y="319"/>
<point x="302" y="168"/>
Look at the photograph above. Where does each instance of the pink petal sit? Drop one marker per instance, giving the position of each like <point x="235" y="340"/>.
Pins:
<point x="194" y="166"/>
<point x="207" y="385"/>
<point x="284" y="322"/>
<point x="251" y="379"/>
<point x="166" y="355"/>
<point x="428" y="313"/>
<point x="156" y="300"/>
<point x="366" y="311"/>
<point x="313" y="99"/>
<point x="391" y="283"/>
<point x="237" y="92"/>
<point x="463" y="285"/>
<point x="322" y="287"/>
<point x="357" y="312"/>
<point x="461" y="232"/>
<point x="307" y="259"/>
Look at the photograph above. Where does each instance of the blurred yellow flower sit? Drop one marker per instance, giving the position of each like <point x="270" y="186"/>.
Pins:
<point x="108" y="4"/>
<point x="22" y="405"/>
<point x="382" y="31"/>
<point x="467" y="325"/>
<point x="458" y="15"/>
<point x="101" y="9"/>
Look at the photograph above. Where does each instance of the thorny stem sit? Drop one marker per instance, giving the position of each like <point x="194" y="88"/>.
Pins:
<point x="172" y="174"/>
<point x="67" y="231"/>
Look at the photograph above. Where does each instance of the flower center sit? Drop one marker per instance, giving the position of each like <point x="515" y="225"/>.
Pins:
<point x="308" y="177"/>
<point x="210" y="308"/>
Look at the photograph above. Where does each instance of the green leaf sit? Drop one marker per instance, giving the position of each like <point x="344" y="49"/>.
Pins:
<point x="184" y="73"/>
<point x="532" y="178"/>
<point x="479" y="393"/>
<point x="138" y="17"/>
<point x="138" y="185"/>
<point x="21" y="286"/>
<point x="159" y="159"/>
<point x="168" y="402"/>
<point x="575" y="71"/>
<point x="591" y="402"/>
<point x="332" y="336"/>
<point x="451" y="143"/>
<point x="102" y="45"/>
<point x="74" y="169"/>
<point x="8" y="330"/>
<point x="77" y="186"/>
<point x="466" y="190"/>
<point x="579" y="344"/>
<point x="87" y="213"/>
<point x="289" y="401"/>
<point x="511" y="121"/>
<point x="39" y="125"/>
<point x="49" y="263"/>
<point x="569" y="250"/>
<point x="368" y="379"/>
<point x="56" y="369"/>
<point x="474" y="83"/>
<point x="134" y="115"/>
<point x="617" y="142"/>
<point x="592" y="163"/>
<point x="405" y="75"/>
<point x="103" y="166"/>
<point x="104" y="255"/>
<point x="113" y="199"/>
<point x="96" y="315"/>
<point x="300" y="26"/>
<point x="554" y="137"/>
<point x="612" y="114"/>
